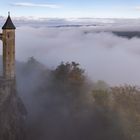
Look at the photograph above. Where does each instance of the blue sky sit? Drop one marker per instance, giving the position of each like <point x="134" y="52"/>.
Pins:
<point x="72" y="8"/>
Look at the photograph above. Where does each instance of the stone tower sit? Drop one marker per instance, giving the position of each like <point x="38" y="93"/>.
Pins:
<point x="8" y="38"/>
<point x="12" y="109"/>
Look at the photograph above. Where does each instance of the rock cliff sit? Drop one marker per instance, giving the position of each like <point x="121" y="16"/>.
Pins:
<point x="12" y="112"/>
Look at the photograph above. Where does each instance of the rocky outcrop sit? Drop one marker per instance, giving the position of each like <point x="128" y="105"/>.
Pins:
<point x="12" y="112"/>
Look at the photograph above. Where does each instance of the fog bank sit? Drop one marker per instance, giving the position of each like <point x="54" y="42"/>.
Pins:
<point x="103" y="55"/>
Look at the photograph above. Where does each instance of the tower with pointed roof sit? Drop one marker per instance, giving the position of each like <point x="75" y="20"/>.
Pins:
<point x="8" y="39"/>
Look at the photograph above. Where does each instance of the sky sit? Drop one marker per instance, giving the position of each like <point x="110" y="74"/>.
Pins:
<point x="72" y="8"/>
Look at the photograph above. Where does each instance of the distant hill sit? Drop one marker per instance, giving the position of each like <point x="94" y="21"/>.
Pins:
<point x="127" y="34"/>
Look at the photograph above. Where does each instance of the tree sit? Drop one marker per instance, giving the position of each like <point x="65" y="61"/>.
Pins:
<point x="69" y="76"/>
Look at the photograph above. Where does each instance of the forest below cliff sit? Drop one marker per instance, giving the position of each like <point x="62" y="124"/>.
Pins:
<point x="63" y="103"/>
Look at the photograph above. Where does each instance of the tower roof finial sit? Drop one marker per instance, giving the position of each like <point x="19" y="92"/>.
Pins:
<point x="9" y="24"/>
<point x="8" y="13"/>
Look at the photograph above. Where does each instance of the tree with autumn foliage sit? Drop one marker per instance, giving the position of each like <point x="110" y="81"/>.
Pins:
<point x="69" y="77"/>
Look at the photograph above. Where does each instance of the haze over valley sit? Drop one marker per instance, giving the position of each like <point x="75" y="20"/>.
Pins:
<point x="108" y="49"/>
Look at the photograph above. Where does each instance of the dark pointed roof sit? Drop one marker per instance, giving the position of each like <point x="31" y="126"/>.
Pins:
<point x="9" y="24"/>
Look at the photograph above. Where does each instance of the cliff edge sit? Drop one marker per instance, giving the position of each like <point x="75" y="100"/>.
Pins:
<point x="12" y="112"/>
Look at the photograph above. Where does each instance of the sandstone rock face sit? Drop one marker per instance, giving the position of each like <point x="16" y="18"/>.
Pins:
<point x="12" y="112"/>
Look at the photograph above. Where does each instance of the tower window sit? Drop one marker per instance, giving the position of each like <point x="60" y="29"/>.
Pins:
<point x="8" y="35"/>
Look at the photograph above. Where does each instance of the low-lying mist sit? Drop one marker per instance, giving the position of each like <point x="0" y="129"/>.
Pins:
<point x="104" y="55"/>
<point x="64" y="100"/>
<point x="61" y="104"/>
